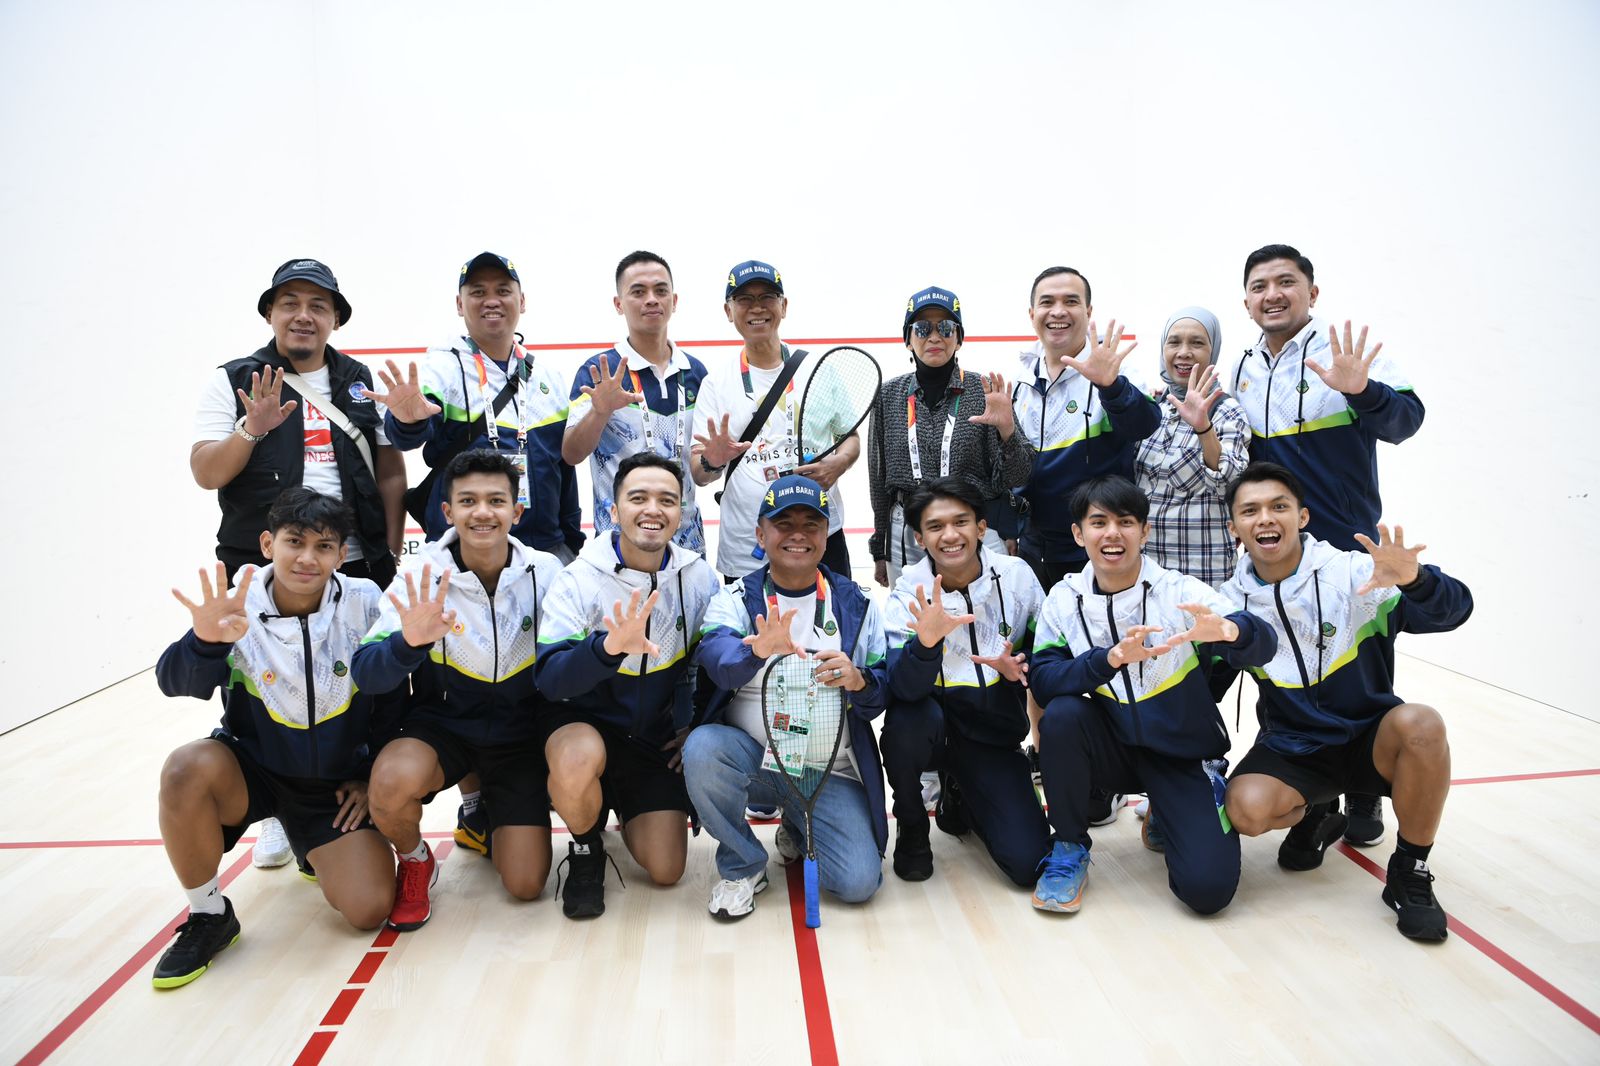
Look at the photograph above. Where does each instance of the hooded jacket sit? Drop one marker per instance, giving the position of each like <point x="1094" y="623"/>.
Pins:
<point x="649" y="697"/>
<point x="1333" y="673"/>
<point x="1080" y="431"/>
<point x="1005" y="597"/>
<point x="289" y="696"/>
<point x="1328" y="439"/>
<point x="479" y="683"/>
<point x="1163" y="703"/>
<point x="730" y="665"/>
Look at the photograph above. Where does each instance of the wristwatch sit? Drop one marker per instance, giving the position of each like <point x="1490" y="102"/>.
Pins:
<point x="707" y="467"/>
<point x="253" y="438"/>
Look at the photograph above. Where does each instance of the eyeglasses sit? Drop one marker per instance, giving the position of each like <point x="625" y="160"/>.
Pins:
<point x="747" y="300"/>
<point x="922" y="328"/>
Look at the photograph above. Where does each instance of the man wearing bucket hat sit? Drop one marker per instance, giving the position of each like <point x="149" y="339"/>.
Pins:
<point x="296" y="411"/>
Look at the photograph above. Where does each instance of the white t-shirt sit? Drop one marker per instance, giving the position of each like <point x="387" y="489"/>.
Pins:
<point x="217" y="414"/>
<point x="770" y="456"/>
<point x="745" y="709"/>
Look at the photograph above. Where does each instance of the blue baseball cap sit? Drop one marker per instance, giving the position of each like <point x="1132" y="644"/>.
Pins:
<point x="750" y="270"/>
<point x="486" y="259"/>
<point x="933" y="296"/>
<point x="793" y="491"/>
<point x="305" y="270"/>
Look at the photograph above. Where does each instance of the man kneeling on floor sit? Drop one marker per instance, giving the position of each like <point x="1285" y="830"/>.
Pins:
<point x="1330" y="720"/>
<point x="617" y="640"/>
<point x="293" y="743"/>
<point x="466" y="633"/>
<point x="960" y="624"/>
<point x="1118" y="665"/>
<point x="791" y="606"/>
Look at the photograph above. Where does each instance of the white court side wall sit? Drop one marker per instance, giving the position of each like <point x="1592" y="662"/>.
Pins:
<point x="1437" y="162"/>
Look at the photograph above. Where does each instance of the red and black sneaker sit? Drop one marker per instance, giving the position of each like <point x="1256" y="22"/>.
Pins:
<point x="412" y="880"/>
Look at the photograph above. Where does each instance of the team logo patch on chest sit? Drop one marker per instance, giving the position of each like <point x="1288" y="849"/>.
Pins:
<point x="1072" y="407"/>
<point x="339" y="668"/>
<point x="527" y="623"/>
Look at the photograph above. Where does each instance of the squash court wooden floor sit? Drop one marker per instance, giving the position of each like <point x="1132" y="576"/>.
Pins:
<point x="1301" y="968"/>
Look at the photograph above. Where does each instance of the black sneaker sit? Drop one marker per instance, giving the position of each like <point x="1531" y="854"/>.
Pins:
<point x="199" y="940"/>
<point x="1104" y="806"/>
<point x="1409" y="892"/>
<point x="1304" y="845"/>
<point x="585" y="894"/>
<point x="913" y="858"/>
<point x="1365" y="817"/>
<point x="951" y="813"/>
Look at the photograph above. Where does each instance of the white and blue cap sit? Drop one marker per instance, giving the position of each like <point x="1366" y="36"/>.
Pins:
<point x="750" y="270"/>
<point x="933" y="296"/>
<point x="793" y="490"/>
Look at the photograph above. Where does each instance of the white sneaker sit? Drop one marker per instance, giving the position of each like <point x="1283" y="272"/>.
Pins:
<point x="272" y="845"/>
<point x="1141" y="808"/>
<point x="789" y="848"/>
<point x="761" y="813"/>
<point x="930" y="790"/>
<point x="735" y="899"/>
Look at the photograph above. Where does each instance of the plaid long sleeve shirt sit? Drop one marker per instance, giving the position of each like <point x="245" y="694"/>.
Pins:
<point x="1188" y="516"/>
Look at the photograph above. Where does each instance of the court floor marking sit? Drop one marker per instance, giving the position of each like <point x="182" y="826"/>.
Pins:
<point x="322" y="1037"/>
<point x="1583" y="1015"/>
<point x="813" y="987"/>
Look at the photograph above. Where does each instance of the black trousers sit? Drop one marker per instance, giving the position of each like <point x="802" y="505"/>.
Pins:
<point x="995" y="782"/>
<point x="1078" y="752"/>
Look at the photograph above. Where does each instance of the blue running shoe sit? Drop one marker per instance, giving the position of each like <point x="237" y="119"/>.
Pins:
<point x="1062" y="876"/>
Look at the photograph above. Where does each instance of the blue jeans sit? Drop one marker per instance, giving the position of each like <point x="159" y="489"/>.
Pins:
<point x="722" y="768"/>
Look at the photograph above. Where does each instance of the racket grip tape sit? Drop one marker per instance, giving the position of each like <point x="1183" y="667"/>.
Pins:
<point x="813" y="895"/>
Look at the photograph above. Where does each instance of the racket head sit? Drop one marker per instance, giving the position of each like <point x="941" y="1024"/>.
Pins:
<point x="813" y="895"/>
<point x="804" y="723"/>
<point x="840" y="391"/>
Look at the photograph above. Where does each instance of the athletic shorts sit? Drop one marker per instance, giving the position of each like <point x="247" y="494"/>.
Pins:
<point x="637" y="779"/>
<point x="1325" y="773"/>
<point x="513" y="774"/>
<point x="305" y="806"/>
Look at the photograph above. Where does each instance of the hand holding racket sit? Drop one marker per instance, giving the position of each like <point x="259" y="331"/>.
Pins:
<point x="835" y="670"/>
<point x="804" y="723"/>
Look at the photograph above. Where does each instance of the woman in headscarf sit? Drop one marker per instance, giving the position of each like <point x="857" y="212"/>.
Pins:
<point x="1202" y="444"/>
<point x="937" y="421"/>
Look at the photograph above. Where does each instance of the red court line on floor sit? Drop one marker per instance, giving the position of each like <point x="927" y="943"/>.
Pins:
<point x="1583" y="1015"/>
<point x="1546" y="776"/>
<point x="108" y="988"/>
<point x="318" y="1043"/>
<point x="600" y="346"/>
<point x="813" y="989"/>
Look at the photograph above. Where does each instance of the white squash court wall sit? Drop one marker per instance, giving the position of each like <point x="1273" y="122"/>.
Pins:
<point x="1437" y="162"/>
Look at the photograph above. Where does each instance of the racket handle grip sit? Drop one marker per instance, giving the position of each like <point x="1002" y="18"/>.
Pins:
<point x="813" y="896"/>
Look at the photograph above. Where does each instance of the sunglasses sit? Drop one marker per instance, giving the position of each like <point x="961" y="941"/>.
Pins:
<point x="922" y="328"/>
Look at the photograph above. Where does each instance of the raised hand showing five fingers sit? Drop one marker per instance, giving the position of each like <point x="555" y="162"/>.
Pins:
<point x="718" y="446"/>
<point x="423" y="618"/>
<point x="996" y="406"/>
<point x="772" y="636"/>
<point x="1102" y="359"/>
<point x="1200" y="399"/>
<point x="1350" y="363"/>
<point x="1131" y="648"/>
<point x="608" y="393"/>
<point x="220" y="616"/>
<point x="625" y="629"/>
<point x="262" y="411"/>
<point x="405" y="399"/>
<point x="1392" y="562"/>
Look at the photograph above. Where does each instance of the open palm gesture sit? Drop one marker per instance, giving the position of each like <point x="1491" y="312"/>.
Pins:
<point x="405" y="399"/>
<point x="1209" y="627"/>
<point x="263" y="412"/>
<point x="625" y="629"/>
<point x="1013" y="666"/>
<point x="1200" y="399"/>
<point x="423" y="618"/>
<point x="996" y="406"/>
<point x="932" y="622"/>
<point x="772" y="636"/>
<point x="1103" y="362"/>
<point x="220" y="616"/>
<point x="608" y="393"/>
<point x="718" y="446"/>
<point x="1392" y="562"/>
<point x="1351" y="364"/>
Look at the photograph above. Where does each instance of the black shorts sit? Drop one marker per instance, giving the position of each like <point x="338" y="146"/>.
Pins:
<point x="1325" y="773"/>
<point x="637" y="779"/>
<point x="305" y="806"/>
<point x="513" y="774"/>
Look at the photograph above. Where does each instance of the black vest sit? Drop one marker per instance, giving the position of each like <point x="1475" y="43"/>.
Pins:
<point x="278" y="462"/>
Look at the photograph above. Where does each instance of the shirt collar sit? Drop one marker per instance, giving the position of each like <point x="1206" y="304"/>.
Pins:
<point x="675" y="362"/>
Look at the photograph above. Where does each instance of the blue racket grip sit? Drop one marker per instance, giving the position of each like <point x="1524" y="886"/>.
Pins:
<point x="813" y="896"/>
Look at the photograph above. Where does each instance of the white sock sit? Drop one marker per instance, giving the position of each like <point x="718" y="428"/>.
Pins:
<point x="469" y="802"/>
<point x="207" y="899"/>
<point x="416" y="854"/>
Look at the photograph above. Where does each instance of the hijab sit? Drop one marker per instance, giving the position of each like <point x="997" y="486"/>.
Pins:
<point x="1208" y="322"/>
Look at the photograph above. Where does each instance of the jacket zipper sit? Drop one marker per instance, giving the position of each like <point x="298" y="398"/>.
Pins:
<point x="311" y="700"/>
<point x="644" y="666"/>
<point x="972" y="635"/>
<point x="1127" y="678"/>
<point x="1294" y="645"/>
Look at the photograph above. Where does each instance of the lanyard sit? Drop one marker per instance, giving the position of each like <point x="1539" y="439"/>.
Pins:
<point x="944" y="447"/>
<point x="491" y="421"/>
<point x="821" y="623"/>
<point x="645" y="413"/>
<point x="783" y="406"/>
